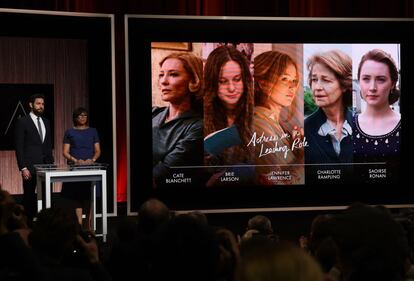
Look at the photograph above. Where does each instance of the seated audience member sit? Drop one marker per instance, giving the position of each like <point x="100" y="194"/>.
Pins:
<point x="199" y="216"/>
<point x="406" y="218"/>
<point x="321" y="245"/>
<point x="186" y="250"/>
<point x="229" y="254"/>
<point x="151" y="215"/>
<point x="133" y="254"/>
<point x="125" y="256"/>
<point x="371" y="244"/>
<point x="253" y="239"/>
<point x="263" y="225"/>
<point x="259" y="232"/>
<point x="278" y="262"/>
<point x="13" y="215"/>
<point x="55" y="237"/>
<point x="17" y="261"/>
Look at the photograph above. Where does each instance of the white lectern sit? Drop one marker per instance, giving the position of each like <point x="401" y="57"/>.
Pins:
<point x="94" y="173"/>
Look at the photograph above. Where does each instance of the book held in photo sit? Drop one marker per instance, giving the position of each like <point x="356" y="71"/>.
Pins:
<point x="222" y="139"/>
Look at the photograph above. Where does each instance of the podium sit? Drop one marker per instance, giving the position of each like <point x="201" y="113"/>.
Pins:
<point x="93" y="173"/>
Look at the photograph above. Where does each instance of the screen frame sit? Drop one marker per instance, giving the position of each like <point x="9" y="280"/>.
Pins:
<point x="200" y="29"/>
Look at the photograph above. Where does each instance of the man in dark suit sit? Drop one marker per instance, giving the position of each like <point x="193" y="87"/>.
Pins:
<point x="33" y="146"/>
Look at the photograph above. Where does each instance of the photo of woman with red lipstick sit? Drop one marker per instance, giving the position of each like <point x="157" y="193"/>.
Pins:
<point x="279" y="150"/>
<point x="228" y="103"/>
<point x="377" y="129"/>
<point x="177" y="129"/>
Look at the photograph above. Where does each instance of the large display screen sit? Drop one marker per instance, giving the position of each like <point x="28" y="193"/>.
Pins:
<point x="287" y="113"/>
<point x="248" y="128"/>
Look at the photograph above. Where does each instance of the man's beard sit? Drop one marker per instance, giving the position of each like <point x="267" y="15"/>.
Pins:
<point x="37" y="112"/>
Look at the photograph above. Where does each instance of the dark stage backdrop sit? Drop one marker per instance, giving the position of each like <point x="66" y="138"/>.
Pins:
<point x="15" y="105"/>
<point x="60" y="63"/>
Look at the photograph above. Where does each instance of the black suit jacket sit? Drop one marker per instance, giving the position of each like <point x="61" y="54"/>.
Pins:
<point x="320" y="149"/>
<point x="29" y="148"/>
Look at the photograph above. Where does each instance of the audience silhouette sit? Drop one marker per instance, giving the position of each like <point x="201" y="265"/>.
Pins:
<point x="360" y="243"/>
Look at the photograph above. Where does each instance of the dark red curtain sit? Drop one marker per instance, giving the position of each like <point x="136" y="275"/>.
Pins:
<point x="280" y="8"/>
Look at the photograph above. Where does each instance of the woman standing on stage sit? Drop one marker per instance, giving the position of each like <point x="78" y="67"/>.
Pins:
<point x="80" y="147"/>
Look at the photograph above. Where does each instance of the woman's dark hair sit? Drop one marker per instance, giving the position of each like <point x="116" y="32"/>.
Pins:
<point x="78" y="111"/>
<point x="215" y="117"/>
<point x="385" y="58"/>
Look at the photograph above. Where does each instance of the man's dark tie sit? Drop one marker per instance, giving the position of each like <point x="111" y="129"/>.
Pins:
<point x="40" y="129"/>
